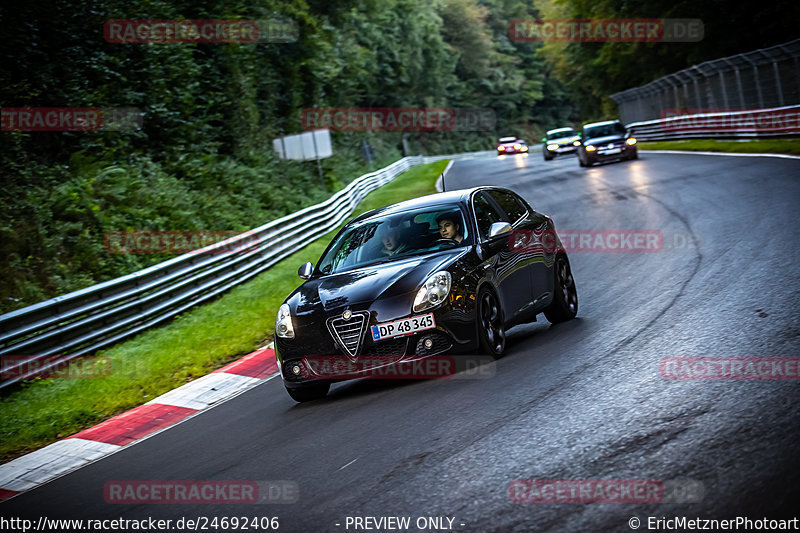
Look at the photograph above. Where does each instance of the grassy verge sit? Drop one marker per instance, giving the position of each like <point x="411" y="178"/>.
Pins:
<point x="194" y="344"/>
<point x="755" y="146"/>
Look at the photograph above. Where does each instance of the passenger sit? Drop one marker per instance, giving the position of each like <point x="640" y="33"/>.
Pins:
<point x="392" y="243"/>
<point x="449" y="227"/>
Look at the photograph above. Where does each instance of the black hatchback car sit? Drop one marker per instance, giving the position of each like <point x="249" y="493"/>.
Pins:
<point x="441" y="274"/>
<point x="605" y="141"/>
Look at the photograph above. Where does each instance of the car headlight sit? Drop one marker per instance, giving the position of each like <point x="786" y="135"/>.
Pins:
<point x="630" y="141"/>
<point x="433" y="292"/>
<point x="283" y="323"/>
<point x="590" y="148"/>
<point x="576" y="143"/>
<point x="552" y="147"/>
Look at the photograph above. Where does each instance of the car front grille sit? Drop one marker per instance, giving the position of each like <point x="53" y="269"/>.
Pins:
<point x="348" y="333"/>
<point x="395" y="347"/>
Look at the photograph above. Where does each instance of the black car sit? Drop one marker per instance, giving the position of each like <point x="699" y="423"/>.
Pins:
<point x="441" y="274"/>
<point x="561" y="141"/>
<point x="605" y="141"/>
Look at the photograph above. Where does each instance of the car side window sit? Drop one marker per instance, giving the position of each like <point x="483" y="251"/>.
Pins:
<point x="510" y="204"/>
<point x="486" y="214"/>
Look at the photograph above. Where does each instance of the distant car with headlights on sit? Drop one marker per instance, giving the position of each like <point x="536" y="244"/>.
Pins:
<point x="605" y="141"/>
<point x="446" y="273"/>
<point x="560" y="141"/>
<point x="511" y="145"/>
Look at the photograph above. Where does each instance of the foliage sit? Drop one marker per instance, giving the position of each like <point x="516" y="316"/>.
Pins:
<point x="203" y="159"/>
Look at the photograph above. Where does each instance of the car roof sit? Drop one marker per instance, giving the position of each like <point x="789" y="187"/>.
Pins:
<point x="507" y="139"/>
<point x="558" y="130"/>
<point x="430" y="200"/>
<point x="604" y="123"/>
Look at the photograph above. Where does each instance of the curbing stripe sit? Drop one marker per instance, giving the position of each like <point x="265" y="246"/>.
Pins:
<point x="135" y="424"/>
<point x="205" y="391"/>
<point x="57" y="459"/>
<point x="259" y="364"/>
<point x="29" y="471"/>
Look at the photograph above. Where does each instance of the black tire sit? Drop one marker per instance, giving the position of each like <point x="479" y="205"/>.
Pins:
<point x="565" y="295"/>
<point x="580" y="161"/>
<point x="635" y="155"/>
<point x="544" y="154"/>
<point x="309" y="393"/>
<point x="490" y="324"/>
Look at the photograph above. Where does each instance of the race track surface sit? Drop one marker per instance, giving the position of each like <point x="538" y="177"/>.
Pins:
<point x="584" y="400"/>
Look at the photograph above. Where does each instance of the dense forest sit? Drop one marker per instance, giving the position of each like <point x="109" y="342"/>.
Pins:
<point x="203" y="158"/>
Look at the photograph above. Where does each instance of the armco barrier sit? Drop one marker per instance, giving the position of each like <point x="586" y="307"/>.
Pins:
<point x="82" y="322"/>
<point x="776" y="122"/>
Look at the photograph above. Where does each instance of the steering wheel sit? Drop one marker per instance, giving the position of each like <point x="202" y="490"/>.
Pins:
<point x="445" y="242"/>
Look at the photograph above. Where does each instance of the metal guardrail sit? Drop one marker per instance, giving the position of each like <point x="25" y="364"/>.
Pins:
<point x="758" y="123"/>
<point x="48" y="334"/>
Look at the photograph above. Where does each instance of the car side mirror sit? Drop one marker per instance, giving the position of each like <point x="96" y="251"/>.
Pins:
<point x="544" y="139"/>
<point x="305" y="271"/>
<point x="498" y="228"/>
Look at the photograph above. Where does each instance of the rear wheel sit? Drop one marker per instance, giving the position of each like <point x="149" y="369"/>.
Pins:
<point x="309" y="393"/>
<point x="491" y="328"/>
<point x="565" y="296"/>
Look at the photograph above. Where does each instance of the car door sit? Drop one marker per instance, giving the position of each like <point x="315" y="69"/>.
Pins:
<point x="511" y="277"/>
<point x="529" y="242"/>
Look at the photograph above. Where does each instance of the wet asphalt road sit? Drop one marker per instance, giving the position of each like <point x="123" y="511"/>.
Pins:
<point x="580" y="401"/>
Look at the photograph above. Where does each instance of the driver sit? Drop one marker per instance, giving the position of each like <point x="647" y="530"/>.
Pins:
<point x="449" y="227"/>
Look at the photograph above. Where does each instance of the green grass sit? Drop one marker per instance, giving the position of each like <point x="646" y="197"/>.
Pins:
<point x="758" y="146"/>
<point x="195" y="343"/>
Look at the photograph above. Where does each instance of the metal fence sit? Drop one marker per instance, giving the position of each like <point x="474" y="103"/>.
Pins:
<point x="49" y="334"/>
<point x="739" y="125"/>
<point x="761" y="79"/>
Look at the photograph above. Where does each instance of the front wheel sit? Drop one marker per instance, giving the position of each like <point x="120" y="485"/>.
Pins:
<point x="491" y="327"/>
<point x="309" y="393"/>
<point x="565" y="296"/>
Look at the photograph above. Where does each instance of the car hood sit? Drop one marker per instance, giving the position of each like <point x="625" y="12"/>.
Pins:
<point x="370" y="283"/>
<point x="605" y="140"/>
<point x="565" y="140"/>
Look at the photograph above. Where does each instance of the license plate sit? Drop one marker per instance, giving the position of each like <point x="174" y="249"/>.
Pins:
<point x="611" y="151"/>
<point x="399" y="328"/>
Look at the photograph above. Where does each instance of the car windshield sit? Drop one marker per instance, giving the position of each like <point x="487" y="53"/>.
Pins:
<point x="604" y="130"/>
<point x="392" y="237"/>
<point x="560" y="134"/>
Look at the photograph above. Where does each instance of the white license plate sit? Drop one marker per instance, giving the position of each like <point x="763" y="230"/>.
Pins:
<point x="611" y="151"/>
<point x="399" y="328"/>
